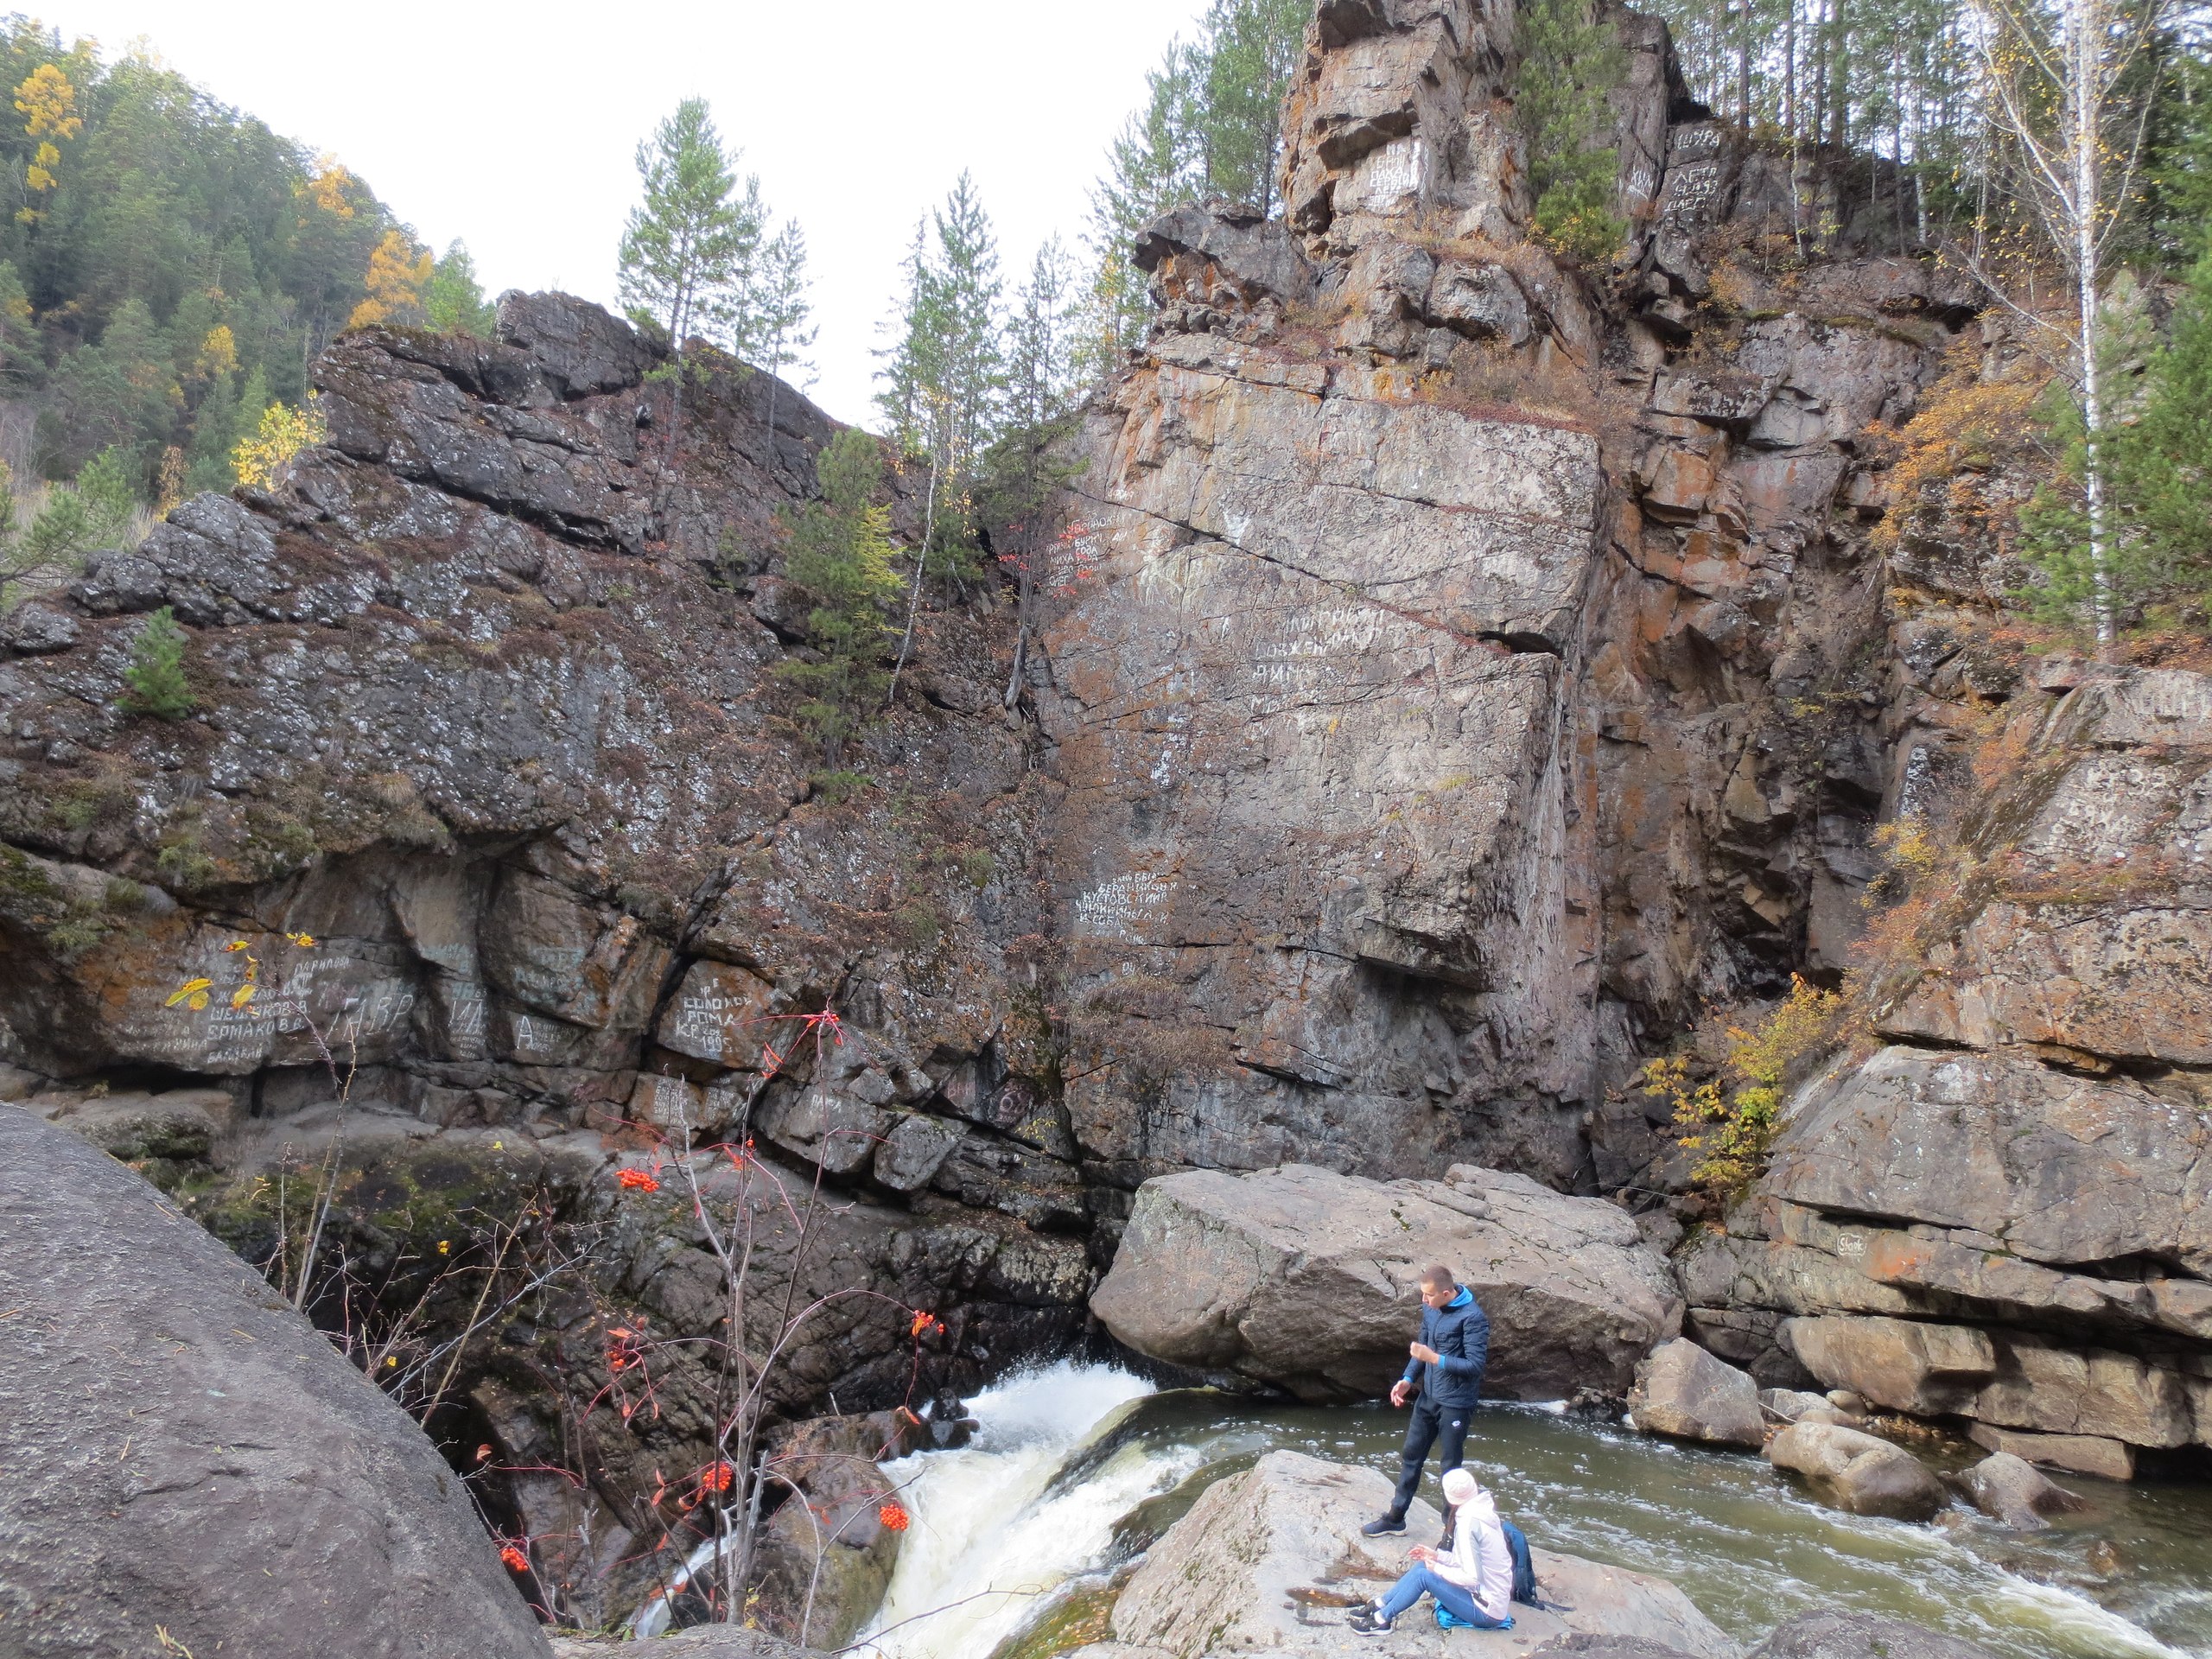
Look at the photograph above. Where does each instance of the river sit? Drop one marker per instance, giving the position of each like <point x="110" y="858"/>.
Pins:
<point x="1077" y="1467"/>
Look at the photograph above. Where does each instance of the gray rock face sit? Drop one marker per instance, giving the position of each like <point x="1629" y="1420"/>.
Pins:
<point x="1309" y="545"/>
<point x="1307" y="1279"/>
<point x="183" y="1450"/>
<point x="1223" y="256"/>
<point x="1858" y="1472"/>
<point x="485" y="709"/>
<point x="1862" y="1635"/>
<point x="1223" y="1578"/>
<point x="2056" y="1169"/>
<point x="1684" y="1392"/>
<point x="2001" y="1215"/>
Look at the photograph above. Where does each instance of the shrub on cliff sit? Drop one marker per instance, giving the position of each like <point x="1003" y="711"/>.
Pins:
<point x="841" y="555"/>
<point x="156" y="679"/>
<point x="1732" y="1117"/>
<point x="1571" y="60"/>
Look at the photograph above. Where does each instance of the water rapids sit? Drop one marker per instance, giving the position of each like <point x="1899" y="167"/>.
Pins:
<point x="1076" y="1468"/>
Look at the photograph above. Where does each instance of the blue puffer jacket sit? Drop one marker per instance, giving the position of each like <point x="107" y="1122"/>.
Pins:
<point x="1459" y="1331"/>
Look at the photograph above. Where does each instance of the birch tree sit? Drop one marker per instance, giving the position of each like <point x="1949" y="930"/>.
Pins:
<point x="2063" y="95"/>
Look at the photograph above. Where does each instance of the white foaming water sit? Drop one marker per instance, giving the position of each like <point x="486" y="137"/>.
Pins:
<point x="991" y="1537"/>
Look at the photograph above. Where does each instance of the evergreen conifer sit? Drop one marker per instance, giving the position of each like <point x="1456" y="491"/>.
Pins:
<point x="841" y="555"/>
<point x="155" y="679"/>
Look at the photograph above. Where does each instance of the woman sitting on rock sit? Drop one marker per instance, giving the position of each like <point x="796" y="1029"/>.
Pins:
<point x="1472" y="1581"/>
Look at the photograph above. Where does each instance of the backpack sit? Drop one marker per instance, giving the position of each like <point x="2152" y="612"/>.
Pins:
<point x="1524" y="1565"/>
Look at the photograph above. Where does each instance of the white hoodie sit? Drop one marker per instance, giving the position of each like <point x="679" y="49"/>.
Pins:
<point x="1480" y="1561"/>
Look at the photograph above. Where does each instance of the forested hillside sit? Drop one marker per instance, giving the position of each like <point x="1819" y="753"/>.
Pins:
<point x="169" y="267"/>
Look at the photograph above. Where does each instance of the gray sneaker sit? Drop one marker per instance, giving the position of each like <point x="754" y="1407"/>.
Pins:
<point x="1370" y="1620"/>
<point x="1383" y="1526"/>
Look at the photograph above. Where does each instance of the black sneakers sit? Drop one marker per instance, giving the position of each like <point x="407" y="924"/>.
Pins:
<point x="1383" y="1526"/>
<point x="1368" y="1619"/>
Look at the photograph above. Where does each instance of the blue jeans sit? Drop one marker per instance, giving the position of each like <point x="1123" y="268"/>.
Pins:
<point x="1454" y="1598"/>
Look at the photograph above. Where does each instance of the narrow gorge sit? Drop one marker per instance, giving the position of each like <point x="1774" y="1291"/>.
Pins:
<point x="1466" y="675"/>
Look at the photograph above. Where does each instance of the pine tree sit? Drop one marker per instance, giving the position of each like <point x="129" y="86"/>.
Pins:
<point x="841" y="555"/>
<point x="2157" y="462"/>
<point x="1210" y="126"/>
<point x="779" y="320"/>
<point x="455" y="301"/>
<point x="969" y="355"/>
<point x="1570" y="58"/>
<point x="688" y="243"/>
<point x="1025" y="470"/>
<point x="109" y="487"/>
<point x="1251" y="47"/>
<point x="910" y="368"/>
<point x="155" y="680"/>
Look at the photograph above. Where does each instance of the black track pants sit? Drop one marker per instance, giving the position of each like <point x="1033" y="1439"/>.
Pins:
<point x="1431" y="1424"/>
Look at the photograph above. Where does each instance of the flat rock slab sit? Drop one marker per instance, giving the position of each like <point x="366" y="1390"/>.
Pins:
<point x="1266" y="1562"/>
<point x="183" y="1452"/>
<point x="1306" y="1279"/>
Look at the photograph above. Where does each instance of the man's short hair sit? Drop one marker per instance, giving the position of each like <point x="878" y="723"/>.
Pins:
<point x="1438" y="1276"/>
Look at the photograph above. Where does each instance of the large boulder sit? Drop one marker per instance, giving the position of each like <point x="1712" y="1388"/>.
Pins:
<point x="2008" y="1487"/>
<point x="184" y="1451"/>
<point x="1306" y="1279"/>
<point x="825" y="1557"/>
<point x="1858" y="1472"/>
<point x="1862" y="1635"/>
<point x="1264" y="1558"/>
<point x="1684" y="1392"/>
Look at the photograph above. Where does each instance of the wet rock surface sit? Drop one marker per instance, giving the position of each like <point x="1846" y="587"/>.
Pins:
<point x="1225" y="1578"/>
<point x="183" y="1449"/>
<point x="1859" y="1472"/>
<point x="2009" y="1488"/>
<point x="1307" y="1280"/>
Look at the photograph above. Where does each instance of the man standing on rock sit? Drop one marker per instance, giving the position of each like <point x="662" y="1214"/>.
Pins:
<point x="1443" y="1381"/>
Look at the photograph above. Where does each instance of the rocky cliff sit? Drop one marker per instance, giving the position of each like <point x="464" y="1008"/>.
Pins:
<point x="1492" y="663"/>
<point x="491" y="781"/>
<point x="1488" y="663"/>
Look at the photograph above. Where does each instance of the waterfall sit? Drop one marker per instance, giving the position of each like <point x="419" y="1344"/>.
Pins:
<point x="994" y="1532"/>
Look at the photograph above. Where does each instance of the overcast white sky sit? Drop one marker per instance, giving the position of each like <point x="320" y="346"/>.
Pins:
<point x="512" y="125"/>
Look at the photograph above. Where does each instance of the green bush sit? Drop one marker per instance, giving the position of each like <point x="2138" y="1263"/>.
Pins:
<point x="154" y="678"/>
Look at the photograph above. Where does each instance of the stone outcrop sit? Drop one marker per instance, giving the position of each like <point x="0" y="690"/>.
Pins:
<point x="1469" y="667"/>
<point x="183" y="1450"/>
<point x="1683" y="1392"/>
<point x="1308" y="1281"/>
<point x="486" y="709"/>
<point x="1859" y="1472"/>
<point x="1261" y="1564"/>
<point x="1355" y="778"/>
<point x="2000" y="1217"/>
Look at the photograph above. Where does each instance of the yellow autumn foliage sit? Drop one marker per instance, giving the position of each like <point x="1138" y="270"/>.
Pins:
<point x="284" y="432"/>
<point x="1734" y="1126"/>
<point x="47" y="104"/>
<point x="398" y="277"/>
<point x="327" y="187"/>
<point x="219" y="354"/>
